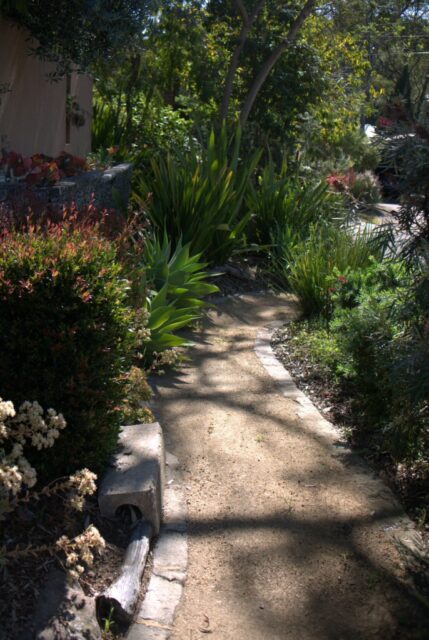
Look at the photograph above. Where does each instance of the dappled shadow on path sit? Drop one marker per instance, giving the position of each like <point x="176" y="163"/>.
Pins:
<point x="356" y="598"/>
<point x="292" y="542"/>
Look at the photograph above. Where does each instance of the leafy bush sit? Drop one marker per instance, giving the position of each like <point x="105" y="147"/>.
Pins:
<point x="376" y="346"/>
<point x="358" y="188"/>
<point x="308" y="266"/>
<point x="162" y="128"/>
<point x="200" y="199"/>
<point x="385" y="356"/>
<point x="64" y="335"/>
<point x="366" y="188"/>
<point x="134" y="409"/>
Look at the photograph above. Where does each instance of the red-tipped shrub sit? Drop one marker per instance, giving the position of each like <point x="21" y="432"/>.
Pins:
<point x="65" y="335"/>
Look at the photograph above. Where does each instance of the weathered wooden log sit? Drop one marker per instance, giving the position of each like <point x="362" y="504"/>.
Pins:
<point x="118" y="601"/>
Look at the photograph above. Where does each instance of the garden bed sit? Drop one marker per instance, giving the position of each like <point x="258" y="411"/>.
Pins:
<point x="409" y="482"/>
<point x="23" y="579"/>
<point x="105" y="189"/>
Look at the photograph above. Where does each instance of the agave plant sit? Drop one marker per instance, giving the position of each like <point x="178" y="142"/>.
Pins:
<point x="175" y="284"/>
<point x="183" y="274"/>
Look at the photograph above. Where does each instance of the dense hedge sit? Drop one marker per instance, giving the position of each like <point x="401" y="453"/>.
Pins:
<point x="65" y="336"/>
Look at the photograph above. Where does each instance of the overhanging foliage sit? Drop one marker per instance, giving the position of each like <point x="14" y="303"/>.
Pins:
<point x="79" y="32"/>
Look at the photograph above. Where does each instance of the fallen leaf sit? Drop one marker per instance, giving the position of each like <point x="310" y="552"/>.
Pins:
<point x="205" y="628"/>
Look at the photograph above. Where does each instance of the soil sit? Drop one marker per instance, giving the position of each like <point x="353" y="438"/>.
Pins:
<point x="286" y="539"/>
<point x="240" y="276"/>
<point x="22" y="580"/>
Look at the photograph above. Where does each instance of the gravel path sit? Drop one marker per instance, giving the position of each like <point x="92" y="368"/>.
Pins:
<point x="287" y="530"/>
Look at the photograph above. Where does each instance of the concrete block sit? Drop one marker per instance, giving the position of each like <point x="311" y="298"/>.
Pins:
<point x="175" y="510"/>
<point x="141" y="632"/>
<point x="160" y="602"/>
<point x="170" y="558"/>
<point x="137" y="476"/>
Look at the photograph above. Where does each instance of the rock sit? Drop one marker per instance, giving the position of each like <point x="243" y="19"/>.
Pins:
<point x="64" y="612"/>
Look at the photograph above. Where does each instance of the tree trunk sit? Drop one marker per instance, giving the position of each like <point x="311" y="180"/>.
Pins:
<point x="271" y="61"/>
<point x="129" y="94"/>
<point x="248" y="22"/>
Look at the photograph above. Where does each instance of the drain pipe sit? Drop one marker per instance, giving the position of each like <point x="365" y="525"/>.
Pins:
<point x="118" y="601"/>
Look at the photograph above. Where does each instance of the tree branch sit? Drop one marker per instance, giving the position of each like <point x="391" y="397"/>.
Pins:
<point x="242" y="9"/>
<point x="275" y="55"/>
<point x="246" y="27"/>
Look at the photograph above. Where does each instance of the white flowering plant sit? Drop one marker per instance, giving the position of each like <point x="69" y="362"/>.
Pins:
<point x="30" y="427"/>
<point x="27" y="426"/>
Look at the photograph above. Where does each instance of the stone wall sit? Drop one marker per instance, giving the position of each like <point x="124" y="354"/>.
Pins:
<point x="111" y="190"/>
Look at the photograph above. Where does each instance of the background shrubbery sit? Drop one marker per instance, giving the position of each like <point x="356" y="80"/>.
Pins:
<point x="376" y="347"/>
<point x="199" y="199"/>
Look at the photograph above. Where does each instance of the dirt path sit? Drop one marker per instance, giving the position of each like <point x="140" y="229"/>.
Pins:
<point x="286" y="539"/>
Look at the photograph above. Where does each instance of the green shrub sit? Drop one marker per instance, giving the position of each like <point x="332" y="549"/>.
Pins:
<point x="366" y="188"/>
<point x="199" y="200"/>
<point x="358" y="189"/>
<point x="64" y="336"/>
<point x="286" y="204"/>
<point x="138" y="393"/>
<point x="308" y="266"/>
<point x="384" y="359"/>
<point x="376" y="346"/>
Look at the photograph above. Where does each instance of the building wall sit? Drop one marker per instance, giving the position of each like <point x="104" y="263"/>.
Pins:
<point x="33" y="116"/>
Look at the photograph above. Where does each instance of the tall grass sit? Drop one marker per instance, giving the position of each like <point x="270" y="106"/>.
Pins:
<point x="284" y="205"/>
<point x="307" y="266"/>
<point x="200" y="199"/>
<point x="108" y="126"/>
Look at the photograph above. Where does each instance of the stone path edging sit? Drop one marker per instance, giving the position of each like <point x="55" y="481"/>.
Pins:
<point x="400" y="528"/>
<point x="170" y="560"/>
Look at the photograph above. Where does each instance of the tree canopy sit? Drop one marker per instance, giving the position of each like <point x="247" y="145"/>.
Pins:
<point x="80" y="32"/>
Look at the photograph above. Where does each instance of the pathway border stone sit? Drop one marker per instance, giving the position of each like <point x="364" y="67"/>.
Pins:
<point x="170" y="560"/>
<point x="396" y="523"/>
